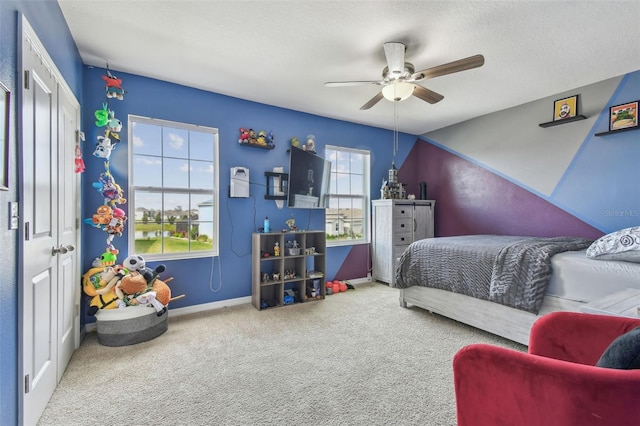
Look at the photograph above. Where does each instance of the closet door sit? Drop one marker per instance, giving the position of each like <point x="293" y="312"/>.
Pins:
<point x="49" y="277"/>
<point x="39" y="233"/>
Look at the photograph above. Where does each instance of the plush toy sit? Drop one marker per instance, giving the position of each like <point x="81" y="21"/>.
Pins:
<point x="102" y="116"/>
<point x="133" y="289"/>
<point x="132" y="283"/>
<point x="109" y="278"/>
<point x="104" y="146"/>
<point x="252" y="136"/>
<point x="108" y="258"/>
<point x="137" y="263"/>
<point x="116" y="224"/>
<point x="113" y="124"/>
<point x="262" y="138"/>
<point x="79" y="162"/>
<point x="149" y="298"/>
<point x="244" y="135"/>
<point x="113" y="87"/>
<point x="94" y="286"/>
<point x="103" y="216"/>
<point x="110" y="190"/>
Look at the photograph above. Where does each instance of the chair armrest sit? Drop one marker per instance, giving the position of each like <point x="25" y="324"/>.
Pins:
<point x="497" y="386"/>
<point x="576" y="337"/>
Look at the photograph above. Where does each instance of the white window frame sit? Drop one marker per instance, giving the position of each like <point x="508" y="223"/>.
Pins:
<point x="366" y="195"/>
<point x="160" y="189"/>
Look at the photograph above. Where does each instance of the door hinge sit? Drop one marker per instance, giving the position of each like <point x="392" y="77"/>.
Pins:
<point x="77" y="223"/>
<point x="26" y="79"/>
<point x="26" y="231"/>
<point x="27" y="384"/>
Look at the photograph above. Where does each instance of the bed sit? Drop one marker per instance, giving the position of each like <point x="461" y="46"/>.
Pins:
<point x="503" y="284"/>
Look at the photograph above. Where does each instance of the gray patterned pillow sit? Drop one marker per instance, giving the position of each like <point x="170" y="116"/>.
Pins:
<point x="620" y="245"/>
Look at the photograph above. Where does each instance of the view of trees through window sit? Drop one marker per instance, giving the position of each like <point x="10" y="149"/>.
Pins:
<point x="347" y="217"/>
<point x="173" y="188"/>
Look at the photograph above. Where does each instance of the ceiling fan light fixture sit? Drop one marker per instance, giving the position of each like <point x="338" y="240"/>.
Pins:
<point x="397" y="91"/>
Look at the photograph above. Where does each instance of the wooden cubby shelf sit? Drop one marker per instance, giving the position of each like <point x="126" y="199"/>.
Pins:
<point x="292" y="277"/>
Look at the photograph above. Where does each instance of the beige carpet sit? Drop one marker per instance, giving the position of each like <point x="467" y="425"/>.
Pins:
<point x="356" y="358"/>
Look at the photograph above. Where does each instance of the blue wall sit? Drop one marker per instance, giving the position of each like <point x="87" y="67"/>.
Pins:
<point x="230" y="274"/>
<point x="46" y="19"/>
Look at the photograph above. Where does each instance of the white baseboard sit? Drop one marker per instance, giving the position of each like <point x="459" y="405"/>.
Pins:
<point x="359" y="281"/>
<point x="189" y="310"/>
<point x="210" y="306"/>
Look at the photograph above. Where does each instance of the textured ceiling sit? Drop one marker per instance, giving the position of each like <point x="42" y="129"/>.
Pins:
<point x="282" y="52"/>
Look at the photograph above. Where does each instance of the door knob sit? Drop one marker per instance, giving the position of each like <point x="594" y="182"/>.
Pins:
<point x="62" y="249"/>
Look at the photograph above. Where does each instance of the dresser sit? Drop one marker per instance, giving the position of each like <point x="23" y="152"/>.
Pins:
<point x="396" y="224"/>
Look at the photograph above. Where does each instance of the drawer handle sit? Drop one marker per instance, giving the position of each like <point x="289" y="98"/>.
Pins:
<point x="402" y="239"/>
<point x="402" y="226"/>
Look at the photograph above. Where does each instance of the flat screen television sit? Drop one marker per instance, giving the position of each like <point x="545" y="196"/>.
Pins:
<point x="308" y="186"/>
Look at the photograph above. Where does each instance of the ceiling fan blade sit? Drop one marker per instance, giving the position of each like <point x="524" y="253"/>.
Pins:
<point x="377" y="98"/>
<point x="350" y="83"/>
<point x="426" y="94"/>
<point x="444" y="69"/>
<point x="394" y="52"/>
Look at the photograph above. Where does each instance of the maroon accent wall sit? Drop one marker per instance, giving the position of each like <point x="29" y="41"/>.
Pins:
<point x="354" y="265"/>
<point x="472" y="200"/>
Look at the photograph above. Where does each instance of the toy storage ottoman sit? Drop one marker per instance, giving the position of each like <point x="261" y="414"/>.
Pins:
<point x="130" y="325"/>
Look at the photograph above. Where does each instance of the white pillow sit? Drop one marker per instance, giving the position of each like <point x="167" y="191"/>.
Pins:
<point x="620" y="245"/>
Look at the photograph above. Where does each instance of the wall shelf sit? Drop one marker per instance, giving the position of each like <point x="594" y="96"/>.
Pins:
<point x="563" y="121"/>
<point x="255" y="145"/>
<point x="610" y="132"/>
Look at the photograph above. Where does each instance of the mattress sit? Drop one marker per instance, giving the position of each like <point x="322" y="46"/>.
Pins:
<point x="576" y="277"/>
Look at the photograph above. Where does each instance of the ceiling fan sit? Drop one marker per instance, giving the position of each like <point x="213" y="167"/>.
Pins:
<point x="399" y="77"/>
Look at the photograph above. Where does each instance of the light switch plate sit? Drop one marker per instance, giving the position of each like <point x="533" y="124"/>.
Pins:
<point x="13" y="215"/>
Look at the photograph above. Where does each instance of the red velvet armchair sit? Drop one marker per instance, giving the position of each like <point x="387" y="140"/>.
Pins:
<point x="555" y="383"/>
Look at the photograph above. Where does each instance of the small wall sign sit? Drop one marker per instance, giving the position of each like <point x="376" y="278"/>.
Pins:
<point x="565" y="108"/>
<point x="623" y="116"/>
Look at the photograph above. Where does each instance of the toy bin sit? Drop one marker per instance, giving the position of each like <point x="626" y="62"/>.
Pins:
<point x="130" y="325"/>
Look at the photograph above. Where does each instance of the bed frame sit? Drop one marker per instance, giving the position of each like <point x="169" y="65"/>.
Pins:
<point x="513" y="324"/>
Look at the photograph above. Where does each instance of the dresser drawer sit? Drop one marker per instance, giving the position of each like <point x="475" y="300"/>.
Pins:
<point x="402" y="211"/>
<point x="397" y="253"/>
<point x="403" y="226"/>
<point x="402" y="238"/>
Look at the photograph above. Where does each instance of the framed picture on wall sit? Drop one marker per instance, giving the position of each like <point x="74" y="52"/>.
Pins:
<point x="623" y="116"/>
<point x="565" y="108"/>
<point x="4" y="137"/>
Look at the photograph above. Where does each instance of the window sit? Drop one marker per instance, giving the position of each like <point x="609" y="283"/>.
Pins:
<point x="173" y="189"/>
<point x="347" y="217"/>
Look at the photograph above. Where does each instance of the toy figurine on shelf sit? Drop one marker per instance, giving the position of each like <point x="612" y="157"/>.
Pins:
<point x="291" y="224"/>
<point x="311" y="144"/>
<point x="276" y="249"/>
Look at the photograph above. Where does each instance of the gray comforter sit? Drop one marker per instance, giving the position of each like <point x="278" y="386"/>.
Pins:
<point x="511" y="270"/>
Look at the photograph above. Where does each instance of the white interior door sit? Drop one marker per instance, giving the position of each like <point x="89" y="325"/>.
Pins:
<point x="48" y="273"/>
<point x="68" y="212"/>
